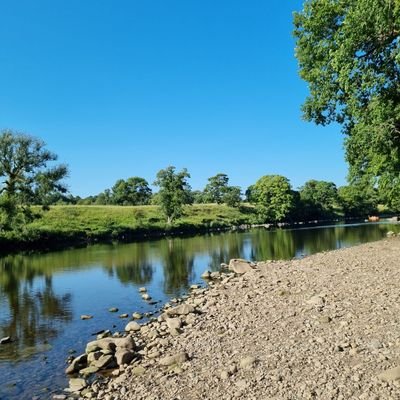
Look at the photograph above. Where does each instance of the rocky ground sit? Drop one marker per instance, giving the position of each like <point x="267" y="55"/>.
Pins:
<point x="324" y="327"/>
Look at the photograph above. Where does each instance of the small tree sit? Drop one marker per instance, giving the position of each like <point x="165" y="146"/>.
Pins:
<point x="273" y="197"/>
<point x="174" y="192"/>
<point x="25" y="177"/>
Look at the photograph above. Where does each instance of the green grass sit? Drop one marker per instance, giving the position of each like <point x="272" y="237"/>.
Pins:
<point x="69" y="225"/>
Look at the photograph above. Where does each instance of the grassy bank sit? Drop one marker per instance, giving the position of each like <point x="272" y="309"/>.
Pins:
<point x="77" y="225"/>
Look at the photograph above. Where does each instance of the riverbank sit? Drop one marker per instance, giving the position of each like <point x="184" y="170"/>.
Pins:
<point x="77" y="226"/>
<point x="323" y="327"/>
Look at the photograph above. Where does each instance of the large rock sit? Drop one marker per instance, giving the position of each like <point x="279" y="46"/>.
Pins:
<point x="77" y="364"/>
<point x="183" y="309"/>
<point x="239" y="266"/>
<point x="132" y="326"/>
<point x="102" y="344"/>
<point x="175" y="359"/>
<point x="77" y="384"/>
<point x="390" y="375"/>
<point x="126" y="343"/>
<point x="104" y="362"/>
<point x="174" y="323"/>
<point x="124" y="356"/>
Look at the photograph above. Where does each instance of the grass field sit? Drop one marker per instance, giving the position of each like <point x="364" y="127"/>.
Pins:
<point x="84" y="224"/>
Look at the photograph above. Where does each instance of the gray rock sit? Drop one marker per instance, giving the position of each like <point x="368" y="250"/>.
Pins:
<point x="142" y="290"/>
<point x="89" y="370"/>
<point x="137" y="316"/>
<point x="77" y="384"/>
<point x="124" y="356"/>
<point x="174" y="323"/>
<point x="138" y="371"/>
<point x="102" y="344"/>
<point x="126" y="343"/>
<point x="390" y="375"/>
<point x="183" y="309"/>
<point x="85" y="317"/>
<point x="124" y="316"/>
<point x="77" y="364"/>
<point x="206" y="275"/>
<point x="132" y="326"/>
<point x="175" y="359"/>
<point x="146" y="296"/>
<point x="247" y="362"/>
<point x="94" y="356"/>
<point x="239" y="266"/>
<point x="103" y="362"/>
<point x="317" y="301"/>
<point x="113" y="309"/>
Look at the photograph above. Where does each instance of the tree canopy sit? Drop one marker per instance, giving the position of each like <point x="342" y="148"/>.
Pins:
<point x="273" y="197"/>
<point x="174" y="192"/>
<point x="349" y="53"/>
<point x="25" y="176"/>
<point x="133" y="191"/>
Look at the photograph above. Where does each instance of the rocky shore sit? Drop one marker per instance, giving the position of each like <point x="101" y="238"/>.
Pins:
<point x="323" y="327"/>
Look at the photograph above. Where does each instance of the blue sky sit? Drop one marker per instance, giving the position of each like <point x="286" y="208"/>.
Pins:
<point x="125" y="88"/>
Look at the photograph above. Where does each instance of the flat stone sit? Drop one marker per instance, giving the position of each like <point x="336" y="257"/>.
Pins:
<point x="175" y="359"/>
<point x="102" y="344"/>
<point x="146" y="296"/>
<point x="183" y="309"/>
<point x="124" y="316"/>
<point x="113" y="309"/>
<point x="390" y="375"/>
<point x="247" y="362"/>
<point x="174" y="323"/>
<point x="137" y="316"/>
<point x="138" y="371"/>
<point x="142" y="290"/>
<point x="132" y="326"/>
<point x="126" y="343"/>
<point x="239" y="266"/>
<point x="85" y="317"/>
<point x="77" y="384"/>
<point x="103" y="362"/>
<point x="89" y="370"/>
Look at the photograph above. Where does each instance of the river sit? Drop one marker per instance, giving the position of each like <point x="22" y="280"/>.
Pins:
<point x="42" y="296"/>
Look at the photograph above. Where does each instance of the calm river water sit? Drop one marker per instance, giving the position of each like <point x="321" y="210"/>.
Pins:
<point x="43" y="295"/>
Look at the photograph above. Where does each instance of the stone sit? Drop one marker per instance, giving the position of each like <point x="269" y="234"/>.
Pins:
<point x="390" y="234"/>
<point x="247" y="362"/>
<point x="206" y="275"/>
<point x="85" y="317"/>
<point x="239" y="266"/>
<point x="138" y="371"/>
<point x="59" y="397"/>
<point x="142" y="290"/>
<point x="174" y="323"/>
<point x="89" y="370"/>
<point x="390" y="375"/>
<point x="224" y="375"/>
<point x="146" y="296"/>
<point x="175" y="359"/>
<point x="5" y="340"/>
<point x="113" y="309"/>
<point x="102" y="344"/>
<point x="124" y="356"/>
<point x="103" y="335"/>
<point x="124" y="316"/>
<point x="94" y="356"/>
<point x="77" y="364"/>
<point x="137" y="316"/>
<point x="103" y="362"/>
<point x="77" y="384"/>
<point x="317" y="301"/>
<point x="126" y="343"/>
<point x="183" y="309"/>
<point x="132" y="326"/>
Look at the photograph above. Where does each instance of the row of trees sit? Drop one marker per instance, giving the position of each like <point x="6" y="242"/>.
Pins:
<point x="29" y="179"/>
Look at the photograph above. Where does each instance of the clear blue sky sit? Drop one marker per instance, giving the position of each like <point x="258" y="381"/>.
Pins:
<point x="125" y="88"/>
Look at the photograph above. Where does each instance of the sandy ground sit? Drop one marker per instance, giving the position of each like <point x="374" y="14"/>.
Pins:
<point x="324" y="327"/>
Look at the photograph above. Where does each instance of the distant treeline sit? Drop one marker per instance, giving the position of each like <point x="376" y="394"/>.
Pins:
<point x="272" y="195"/>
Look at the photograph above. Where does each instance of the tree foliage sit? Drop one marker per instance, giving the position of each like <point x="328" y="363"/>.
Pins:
<point x="318" y="199"/>
<point x="174" y="192"/>
<point x="133" y="191"/>
<point x="349" y="53"/>
<point x="25" y="177"/>
<point x="216" y="188"/>
<point x="273" y="197"/>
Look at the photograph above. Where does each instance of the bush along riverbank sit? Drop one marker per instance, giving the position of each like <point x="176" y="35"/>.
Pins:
<point x="325" y="326"/>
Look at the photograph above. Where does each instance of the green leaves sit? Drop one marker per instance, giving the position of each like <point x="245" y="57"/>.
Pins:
<point x="348" y="52"/>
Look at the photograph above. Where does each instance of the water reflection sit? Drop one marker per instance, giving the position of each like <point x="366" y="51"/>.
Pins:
<point x="35" y="311"/>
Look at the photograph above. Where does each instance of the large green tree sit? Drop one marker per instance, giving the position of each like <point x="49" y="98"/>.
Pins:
<point x="26" y="177"/>
<point x="133" y="191"/>
<point x="216" y="188"/>
<point x="318" y="199"/>
<point x="174" y="192"/>
<point x="273" y="197"/>
<point x="349" y="53"/>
